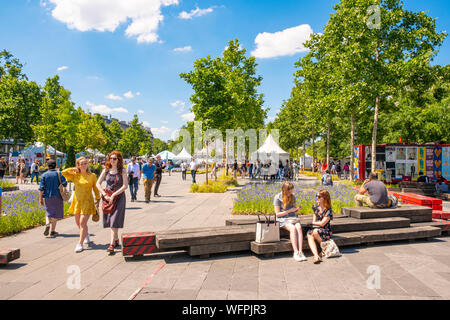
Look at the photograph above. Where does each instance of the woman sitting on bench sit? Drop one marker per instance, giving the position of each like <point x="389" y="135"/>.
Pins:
<point x="321" y="226"/>
<point x="288" y="218"/>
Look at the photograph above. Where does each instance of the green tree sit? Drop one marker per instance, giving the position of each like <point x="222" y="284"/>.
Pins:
<point x="159" y="146"/>
<point x="131" y="142"/>
<point x="20" y="100"/>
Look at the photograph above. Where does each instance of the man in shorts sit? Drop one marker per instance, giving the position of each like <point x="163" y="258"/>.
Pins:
<point x="378" y="194"/>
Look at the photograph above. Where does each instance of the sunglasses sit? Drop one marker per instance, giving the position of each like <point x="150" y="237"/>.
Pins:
<point x="113" y="158"/>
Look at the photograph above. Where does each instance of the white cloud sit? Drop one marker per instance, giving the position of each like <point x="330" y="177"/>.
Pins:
<point x="164" y="121"/>
<point x="128" y="95"/>
<point x="179" y="105"/>
<point x="142" y="16"/>
<point x="104" y="109"/>
<point x="195" y="13"/>
<point x="188" y="116"/>
<point x="138" y="93"/>
<point x="284" y="43"/>
<point x="161" y="130"/>
<point x="62" y="68"/>
<point x="146" y="124"/>
<point x="141" y="111"/>
<point x="183" y="49"/>
<point x="111" y="96"/>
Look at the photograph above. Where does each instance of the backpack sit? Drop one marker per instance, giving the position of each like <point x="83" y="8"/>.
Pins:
<point x="394" y="201"/>
<point x="338" y="168"/>
<point x="328" y="180"/>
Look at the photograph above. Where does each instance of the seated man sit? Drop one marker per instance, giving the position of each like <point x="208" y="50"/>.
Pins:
<point x="378" y="194"/>
<point x="441" y="186"/>
<point x="423" y="178"/>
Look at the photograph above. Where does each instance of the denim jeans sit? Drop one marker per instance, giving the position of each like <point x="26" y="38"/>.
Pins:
<point x="134" y="188"/>
<point x="193" y="172"/>
<point x="35" y="174"/>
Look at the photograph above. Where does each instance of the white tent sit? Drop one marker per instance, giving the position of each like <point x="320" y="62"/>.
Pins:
<point x="166" y="155"/>
<point x="308" y="161"/>
<point x="95" y="154"/>
<point x="183" y="155"/>
<point x="38" y="147"/>
<point x="270" y="150"/>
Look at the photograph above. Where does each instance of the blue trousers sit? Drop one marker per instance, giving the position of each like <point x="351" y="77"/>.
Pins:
<point x="134" y="188"/>
<point x="35" y="174"/>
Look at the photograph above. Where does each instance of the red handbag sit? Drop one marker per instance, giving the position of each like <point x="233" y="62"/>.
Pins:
<point x="109" y="207"/>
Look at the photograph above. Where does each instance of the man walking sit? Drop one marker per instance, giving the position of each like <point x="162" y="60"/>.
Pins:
<point x="35" y="171"/>
<point x="148" y="175"/>
<point x="3" y="166"/>
<point x="134" y="175"/>
<point x="193" y="166"/>
<point x="160" y="165"/>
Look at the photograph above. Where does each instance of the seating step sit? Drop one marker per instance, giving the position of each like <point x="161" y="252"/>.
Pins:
<point x="253" y="219"/>
<point x="205" y="236"/>
<point x="8" y="255"/>
<point x="413" y="212"/>
<point x="355" y="238"/>
<point x="444" y="225"/>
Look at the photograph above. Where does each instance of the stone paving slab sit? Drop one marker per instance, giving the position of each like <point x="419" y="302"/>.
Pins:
<point x="417" y="270"/>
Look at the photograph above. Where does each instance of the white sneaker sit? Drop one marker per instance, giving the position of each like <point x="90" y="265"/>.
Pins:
<point x="78" y="248"/>
<point x="301" y="256"/>
<point x="87" y="240"/>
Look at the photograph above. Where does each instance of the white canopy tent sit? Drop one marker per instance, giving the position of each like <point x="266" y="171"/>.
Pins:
<point x="95" y="154"/>
<point x="183" y="155"/>
<point x="38" y="147"/>
<point x="270" y="150"/>
<point x="166" y="155"/>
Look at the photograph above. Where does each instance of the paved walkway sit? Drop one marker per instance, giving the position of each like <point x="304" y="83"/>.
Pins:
<point x="48" y="267"/>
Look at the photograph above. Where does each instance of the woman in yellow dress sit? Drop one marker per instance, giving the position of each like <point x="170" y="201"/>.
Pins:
<point x="83" y="205"/>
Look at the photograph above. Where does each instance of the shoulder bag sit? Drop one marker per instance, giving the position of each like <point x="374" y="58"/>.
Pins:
<point x="330" y="249"/>
<point x="267" y="231"/>
<point x="109" y="207"/>
<point x="65" y="195"/>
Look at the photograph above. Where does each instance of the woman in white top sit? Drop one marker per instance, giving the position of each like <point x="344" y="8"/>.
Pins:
<point x="286" y="201"/>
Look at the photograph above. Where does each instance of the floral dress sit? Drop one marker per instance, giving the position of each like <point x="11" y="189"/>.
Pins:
<point x="325" y="233"/>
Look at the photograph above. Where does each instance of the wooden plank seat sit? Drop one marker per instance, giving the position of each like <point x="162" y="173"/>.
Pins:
<point x="8" y="255"/>
<point x="444" y="225"/>
<point x="354" y="238"/>
<point x="412" y="212"/>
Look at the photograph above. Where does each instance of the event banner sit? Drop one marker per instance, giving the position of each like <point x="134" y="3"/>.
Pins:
<point x="437" y="162"/>
<point x="446" y="162"/>
<point x="430" y="157"/>
<point x="356" y="163"/>
<point x="422" y="160"/>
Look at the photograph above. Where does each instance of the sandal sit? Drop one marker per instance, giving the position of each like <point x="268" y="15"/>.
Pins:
<point x="110" y="248"/>
<point x="47" y="229"/>
<point x="317" y="260"/>
<point x="116" y="244"/>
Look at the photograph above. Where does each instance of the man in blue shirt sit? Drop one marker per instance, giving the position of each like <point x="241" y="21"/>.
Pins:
<point x="148" y="175"/>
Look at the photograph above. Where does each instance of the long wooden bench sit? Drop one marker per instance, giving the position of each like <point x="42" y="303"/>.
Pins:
<point x="353" y="238"/>
<point x="358" y="226"/>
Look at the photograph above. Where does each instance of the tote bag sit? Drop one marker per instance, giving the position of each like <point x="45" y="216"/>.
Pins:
<point x="267" y="231"/>
<point x="330" y="249"/>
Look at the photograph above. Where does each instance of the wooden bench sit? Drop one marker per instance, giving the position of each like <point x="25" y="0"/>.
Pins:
<point x="8" y="255"/>
<point x="353" y="238"/>
<point x="412" y="212"/>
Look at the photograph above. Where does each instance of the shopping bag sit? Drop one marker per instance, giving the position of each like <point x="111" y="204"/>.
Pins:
<point x="267" y="231"/>
<point x="330" y="249"/>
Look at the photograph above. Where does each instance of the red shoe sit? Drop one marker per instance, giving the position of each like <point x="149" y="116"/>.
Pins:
<point x="110" y="248"/>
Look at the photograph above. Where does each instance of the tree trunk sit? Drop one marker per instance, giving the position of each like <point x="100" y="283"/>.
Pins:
<point x="374" y="133"/>
<point x="328" y="146"/>
<point x="304" y="155"/>
<point x="206" y="163"/>
<point x="314" y="150"/>
<point x="352" y="147"/>
<point x="375" y="123"/>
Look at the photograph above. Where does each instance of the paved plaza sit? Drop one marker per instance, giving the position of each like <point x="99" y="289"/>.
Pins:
<point x="47" y="268"/>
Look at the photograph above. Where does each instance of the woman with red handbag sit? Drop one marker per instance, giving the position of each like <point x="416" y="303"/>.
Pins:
<point x="113" y="196"/>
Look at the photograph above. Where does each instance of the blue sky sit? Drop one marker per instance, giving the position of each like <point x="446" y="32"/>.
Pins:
<point x="124" y="57"/>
